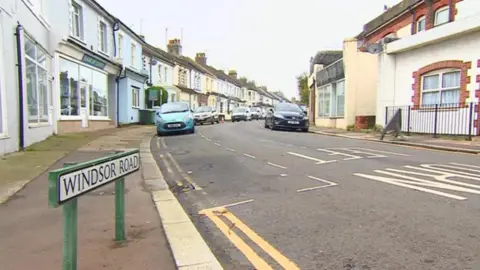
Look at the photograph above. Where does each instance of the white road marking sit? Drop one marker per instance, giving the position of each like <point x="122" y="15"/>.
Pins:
<point x="379" y="151"/>
<point x="208" y="139"/>
<point x="158" y="143"/>
<point x="217" y="144"/>
<point x="465" y="165"/>
<point x="329" y="184"/>
<point x="319" y="161"/>
<point x="442" y="177"/>
<point x="333" y="153"/>
<point x="372" y="155"/>
<point x="235" y="204"/>
<point x="162" y="141"/>
<point x="276" y="165"/>
<point x="231" y="150"/>
<point x="182" y="173"/>
<point x="250" y="156"/>
<point x="303" y="147"/>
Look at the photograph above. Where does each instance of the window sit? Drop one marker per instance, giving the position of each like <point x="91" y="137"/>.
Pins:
<point x="331" y="100"/>
<point x="166" y="73"/>
<point x="160" y="73"/>
<point x="133" y="50"/>
<point x="442" y="16"/>
<point x="77" y="21"/>
<point x="120" y="46"/>
<point x="36" y="80"/>
<point x="421" y="24"/>
<point x="135" y="97"/>
<point x="441" y="88"/>
<point x="82" y="87"/>
<point x="173" y="97"/>
<point x="102" y="37"/>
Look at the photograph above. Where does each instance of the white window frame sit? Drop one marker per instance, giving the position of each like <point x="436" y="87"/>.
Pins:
<point x="165" y="70"/>
<point x="445" y="8"/>
<point x="424" y="20"/>
<point x="133" y="57"/>
<point x="3" y="106"/>
<point x="49" y="90"/>
<point x="81" y="23"/>
<point x="159" y="67"/>
<point x="439" y="73"/>
<point x="103" y="33"/>
<point x="135" y="97"/>
<point x="38" y="9"/>
<point x="79" y="117"/>
<point x="120" y="42"/>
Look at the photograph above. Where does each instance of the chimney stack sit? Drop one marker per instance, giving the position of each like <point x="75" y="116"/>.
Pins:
<point x="201" y="58"/>
<point x="232" y="73"/>
<point x="174" y="47"/>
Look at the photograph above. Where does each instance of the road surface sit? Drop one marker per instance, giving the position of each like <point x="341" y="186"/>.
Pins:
<point x="267" y="199"/>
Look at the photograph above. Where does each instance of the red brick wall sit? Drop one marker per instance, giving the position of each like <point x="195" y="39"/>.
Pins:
<point x="464" y="78"/>
<point x="406" y="19"/>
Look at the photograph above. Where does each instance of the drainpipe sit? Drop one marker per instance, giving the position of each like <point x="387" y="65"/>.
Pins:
<point x="21" y="136"/>
<point x="115" y="28"/>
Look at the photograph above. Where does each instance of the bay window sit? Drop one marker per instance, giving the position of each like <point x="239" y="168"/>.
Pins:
<point x="36" y="80"/>
<point x="82" y="88"/>
<point x="441" y="87"/>
<point x="331" y="100"/>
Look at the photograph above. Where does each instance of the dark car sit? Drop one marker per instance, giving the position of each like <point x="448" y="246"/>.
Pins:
<point x="287" y="116"/>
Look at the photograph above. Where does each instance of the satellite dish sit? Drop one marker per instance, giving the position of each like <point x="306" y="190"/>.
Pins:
<point x="153" y="62"/>
<point x="374" y="48"/>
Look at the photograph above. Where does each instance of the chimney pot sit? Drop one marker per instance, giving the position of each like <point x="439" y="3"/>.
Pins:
<point x="232" y="73"/>
<point x="201" y="58"/>
<point x="174" y="46"/>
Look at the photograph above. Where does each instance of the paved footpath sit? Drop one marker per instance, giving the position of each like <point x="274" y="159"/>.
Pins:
<point x="31" y="232"/>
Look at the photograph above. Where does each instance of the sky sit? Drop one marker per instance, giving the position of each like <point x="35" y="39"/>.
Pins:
<point x="268" y="41"/>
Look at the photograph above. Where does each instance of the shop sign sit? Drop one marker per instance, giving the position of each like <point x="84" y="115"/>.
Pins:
<point x="87" y="59"/>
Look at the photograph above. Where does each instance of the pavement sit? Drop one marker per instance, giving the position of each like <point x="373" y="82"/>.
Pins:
<point x="266" y="199"/>
<point x="31" y="232"/>
<point x="446" y="143"/>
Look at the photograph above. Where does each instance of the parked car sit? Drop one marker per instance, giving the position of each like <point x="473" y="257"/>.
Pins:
<point x="239" y="114"/>
<point x="287" y="116"/>
<point x="205" y="114"/>
<point x="174" y="117"/>
<point x="256" y="113"/>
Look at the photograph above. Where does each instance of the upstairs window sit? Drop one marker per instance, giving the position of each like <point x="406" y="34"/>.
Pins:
<point x="102" y="36"/>
<point x="77" y="21"/>
<point x="133" y="51"/>
<point x="160" y="73"/>
<point x="421" y="24"/>
<point x="120" y="46"/>
<point x="441" y="87"/>
<point x="442" y="16"/>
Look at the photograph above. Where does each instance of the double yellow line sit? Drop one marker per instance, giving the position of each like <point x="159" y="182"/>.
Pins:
<point x="214" y="214"/>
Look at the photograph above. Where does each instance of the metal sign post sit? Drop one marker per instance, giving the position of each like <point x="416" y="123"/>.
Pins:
<point x="74" y="180"/>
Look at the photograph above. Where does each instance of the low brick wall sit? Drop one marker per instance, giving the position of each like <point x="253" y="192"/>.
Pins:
<point x="364" y="122"/>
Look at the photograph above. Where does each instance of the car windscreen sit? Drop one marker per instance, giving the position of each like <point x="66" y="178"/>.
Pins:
<point x="239" y="110"/>
<point x="173" y="107"/>
<point x="288" y="107"/>
<point x="203" y="109"/>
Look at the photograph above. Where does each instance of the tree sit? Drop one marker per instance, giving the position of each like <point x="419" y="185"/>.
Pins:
<point x="158" y="102"/>
<point x="303" y="92"/>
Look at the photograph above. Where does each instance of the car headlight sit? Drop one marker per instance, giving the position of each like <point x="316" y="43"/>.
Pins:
<point x="278" y="116"/>
<point x="187" y="117"/>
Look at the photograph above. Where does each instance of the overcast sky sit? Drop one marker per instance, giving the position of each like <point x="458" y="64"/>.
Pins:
<point x="269" y="41"/>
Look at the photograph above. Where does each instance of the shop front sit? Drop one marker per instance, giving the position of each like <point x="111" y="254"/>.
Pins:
<point x="86" y="90"/>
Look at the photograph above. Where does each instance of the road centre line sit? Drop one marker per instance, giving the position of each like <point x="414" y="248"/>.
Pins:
<point x="319" y="161"/>
<point x="250" y="156"/>
<point x="208" y="139"/>
<point x="217" y="144"/>
<point x="276" y="165"/>
<point x="231" y="149"/>
<point x="333" y="153"/>
<point x="251" y="255"/>
<point x="182" y="173"/>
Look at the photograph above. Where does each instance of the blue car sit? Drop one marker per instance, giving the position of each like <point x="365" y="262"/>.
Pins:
<point x="174" y="117"/>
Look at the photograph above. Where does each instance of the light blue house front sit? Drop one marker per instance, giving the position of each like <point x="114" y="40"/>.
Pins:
<point x="132" y="80"/>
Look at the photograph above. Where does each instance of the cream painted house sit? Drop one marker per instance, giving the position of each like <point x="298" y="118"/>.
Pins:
<point x="429" y="65"/>
<point x="345" y="88"/>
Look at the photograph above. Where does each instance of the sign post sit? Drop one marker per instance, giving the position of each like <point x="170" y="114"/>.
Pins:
<point x="74" y="180"/>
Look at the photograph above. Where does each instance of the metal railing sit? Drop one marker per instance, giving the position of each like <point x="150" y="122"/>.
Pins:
<point x="438" y="119"/>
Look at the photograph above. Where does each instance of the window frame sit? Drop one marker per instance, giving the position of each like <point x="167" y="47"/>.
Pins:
<point x="442" y="9"/>
<point x="135" y="97"/>
<point x="133" y="57"/>
<point x="332" y="101"/>
<point x="159" y="68"/>
<point x="166" y="73"/>
<point x="103" y="34"/>
<point x="440" y="89"/>
<point x="47" y="69"/>
<point x="424" y="20"/>
<point x="79" y="117"/>
<point x="81" y="23"/>
<point x="120" y="45"/>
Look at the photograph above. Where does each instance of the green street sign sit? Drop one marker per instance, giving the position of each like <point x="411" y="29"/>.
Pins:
<point x="76" y="179"/>
<point x="153" y="95"/>
<point x="87" y="59"/>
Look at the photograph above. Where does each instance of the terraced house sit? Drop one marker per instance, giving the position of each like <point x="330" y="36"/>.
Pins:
<point x="160" y="66"/>
<point x="429" y="65"/>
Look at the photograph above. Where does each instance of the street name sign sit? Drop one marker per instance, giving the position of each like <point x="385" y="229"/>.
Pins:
<point x="74" y="180"/>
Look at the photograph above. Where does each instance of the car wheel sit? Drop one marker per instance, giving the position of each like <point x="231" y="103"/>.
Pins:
<point x="304" y="129"/>
<point x="192" y="130"/>
<point x="159" y="134"/>
<point x="266" y="126"/>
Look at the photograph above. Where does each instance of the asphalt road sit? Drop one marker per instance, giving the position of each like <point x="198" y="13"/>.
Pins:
<point x="267" y="199"/>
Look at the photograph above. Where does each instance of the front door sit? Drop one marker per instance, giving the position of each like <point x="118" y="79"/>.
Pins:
<point x="83" y="104"/>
